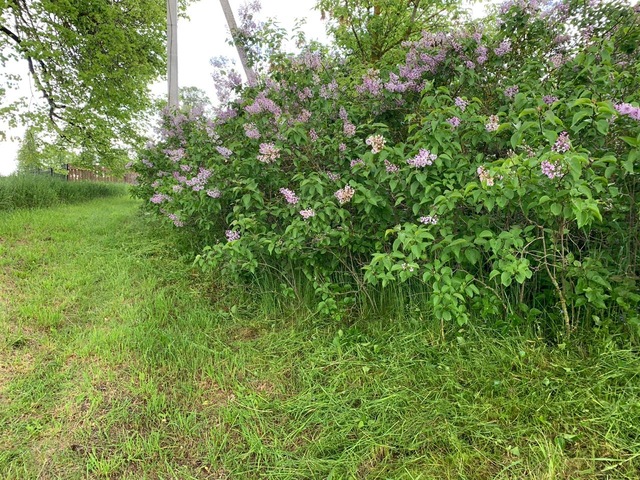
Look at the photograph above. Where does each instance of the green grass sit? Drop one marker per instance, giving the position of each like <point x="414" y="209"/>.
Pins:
<point x="117" y="360"/>
<point x="33" y="191"/>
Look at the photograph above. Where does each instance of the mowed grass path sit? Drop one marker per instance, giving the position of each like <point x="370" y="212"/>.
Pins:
<point x="117" y="360"/>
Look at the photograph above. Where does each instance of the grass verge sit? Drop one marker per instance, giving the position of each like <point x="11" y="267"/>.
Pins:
<point x="117" y="360"/>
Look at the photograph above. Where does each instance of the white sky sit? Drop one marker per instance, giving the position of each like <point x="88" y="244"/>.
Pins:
<point x="200" y="37"/>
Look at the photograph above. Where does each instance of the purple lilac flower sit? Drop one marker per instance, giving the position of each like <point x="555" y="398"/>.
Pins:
<point x="179" y="178"/>
<point x="313" y="135"/>
<point x="185" y="168"/>
<point x="215" y="193"/>
<point x="343" y="115"/>
<point x="342" y="147"/>
<point x="304" y="116"/>
<point x="376" y="142"/>
<point x="562" y="143"/>
<point x="268" y="153"/>
<point x="224" y="151"/>
<point x="503" y="48"/>
<point x="422" y="159"/>
<point x="470" y="65"/>
<point x="290" y="196"/>
<point x="549" y="99"/>
<point x="390" y="167"/>
<point x="344" y="194"/>
<point x="557" y="60"/>
<point x="454" y="122"/>
<point x="482" y="53"/>
<point x="349" y="129"/>
<point x="371" y="83"/>
<point x="429" y="220"/>
<point x="251" y="131"/>
<point x="493" y="123"/>
<point x="175" y="155"/>
<point x="232" y="235"/>
<point x="334" y="177"/>
<point x="307" y="214"/>
<point x="549" y="169"/>
<point x="147" y="163"/>
<point x="176" y="221"/>
<point x="628" y="109"/>
<point x="177" y="188"/>
<point x="461" y="103"/>
<point x="160" y="198"/>
<point x="511" y="91"/>
<point x="356" y="162"/>
<point x="156" y="184"/>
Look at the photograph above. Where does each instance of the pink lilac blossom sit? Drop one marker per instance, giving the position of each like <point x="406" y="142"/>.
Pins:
<point x="356" y="162"/>
<point x="185" y="168"/>
<point x="160" y="198"/>
<point x="313" y="135"/>
<point x="308" y="213"/>
<point x="482" y="53"/>
<point x="461" y="103"/>
<point x="429" y="220"/>
<point x="175" y="155"/>
<point x="454" y="122"/>
<point x="224" y="151"/>
<point x="493" y="123"/>
<point x="628" y="109"/>
<point x="549" y="99"/>
<point x="232" y="235"/>
<point x="304" y="116"/>
<point x="371" y="83"/>
<point x="549" y="169"/>
<point x="390" y="167"/>
<point x="503" y="48"/>
<point x="562" y="143"/>
<point x="334" y="177"/>
<point x="344" y="194"/>
<point x="470" y="65"/>
<point x="557" y="60"/>
<point x="349" y="129"/>
<point x="176" y="221"/>
<point x="251" y="131"/>
<point x="376" y="142"/>
<point x="484" y="175"/>
<point x="177" y="188"/>
<point x="422" y="159"/>
<point x="156" y="184"/>
<point x="147" y="163"/>
<point x="342" y="147"/>
<point x="215" y="193"/>
<point x="290" y="196"/>
<point x="343" y="115"/>
<point x="512" y="91"/>
<point x="269" y="153"/>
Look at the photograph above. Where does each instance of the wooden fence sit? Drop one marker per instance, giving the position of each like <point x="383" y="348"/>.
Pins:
<point x="75" y="174"/>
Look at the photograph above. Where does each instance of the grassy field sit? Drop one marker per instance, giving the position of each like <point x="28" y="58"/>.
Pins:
<point x="117" y="360"/>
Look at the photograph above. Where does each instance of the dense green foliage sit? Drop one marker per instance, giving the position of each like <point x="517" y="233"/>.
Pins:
<point x="37" y="191"/>
<point x="92" y="62"/>
<point x="497" y="165"/>
<point x="120" y="361"/>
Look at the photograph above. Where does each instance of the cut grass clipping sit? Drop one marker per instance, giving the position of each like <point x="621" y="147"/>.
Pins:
<point x="117" y="360"/>
<point x="32" y="191"/>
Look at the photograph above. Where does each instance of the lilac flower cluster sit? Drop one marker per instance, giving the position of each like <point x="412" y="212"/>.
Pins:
<point x="422" y="159"/>
<point x="147" y="163"/>
<point x="503" y="48"/>
<point x="224" y="151"/>
<point x="390" y="167"/>
<point x="263" y="104"/>
<point x="185" y="168"/>
<point x="342" y="147"/>
<point x="461" y="103"/>
<point x="557" y="60"/>
<point x="177" y="188"/>
<point x="349" y="129"/>
<point x="356" y="162"/>
<point x="329" y="91"/>
<point x="628" y="109"/>
<point x="313" y="135"/>
<point x="429" y="220"/>
<point x="308" y="59"/>
<point x="482" y="54"/>
<point x="290" y="196"/>
<point x="562" y="143"/>
<point x="344" y="194"/>
<point x="371" y="83"/>
<point x="308" y="213"/>
<point x="376" y="142"/>
<point x="232" y="235"/>
<point x="549" y="169"/>
<point x="251" y="131"/>
<point x="175" y="155"/>
<point x="175" y="219"/>
<point x="269" y="153"/>
<point x="485" y="176"/>
<point x="304" y="116"/>
<point x="549" y="99"/>
<point x="511" y="92"/>
<point x="454" y="122"/>
<point x="198" y="182"/>
<point x="215" y="193"/>
<point x="493" y="123"/>
<point x="160" y="198"/>
<point x="334" y="177"/>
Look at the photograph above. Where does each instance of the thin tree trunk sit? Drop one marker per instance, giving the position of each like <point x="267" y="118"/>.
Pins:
<point x="231" y="22"/>
<point x="172" y="53"/>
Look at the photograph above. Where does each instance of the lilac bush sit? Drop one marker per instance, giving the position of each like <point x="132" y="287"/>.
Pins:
<point x="499" y="161"/>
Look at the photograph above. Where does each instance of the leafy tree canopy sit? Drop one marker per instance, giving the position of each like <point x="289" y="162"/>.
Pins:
<point x="91" y="61"/>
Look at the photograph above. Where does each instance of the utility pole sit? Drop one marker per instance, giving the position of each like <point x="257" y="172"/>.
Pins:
<point x="231" y="21"/>
<point x="172" y="53"/>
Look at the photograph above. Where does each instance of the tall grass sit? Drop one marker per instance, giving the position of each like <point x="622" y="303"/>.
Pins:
<point x="33" y="191"/>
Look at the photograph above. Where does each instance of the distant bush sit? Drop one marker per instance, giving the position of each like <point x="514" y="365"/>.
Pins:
<point x="32" y="191"/>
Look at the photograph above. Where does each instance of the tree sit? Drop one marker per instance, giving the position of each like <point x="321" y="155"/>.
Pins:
<point x="92" y="62"/>
<point x="242" y="53"/>
<point x="373" y="30"/>
<point x="29" y="155"/>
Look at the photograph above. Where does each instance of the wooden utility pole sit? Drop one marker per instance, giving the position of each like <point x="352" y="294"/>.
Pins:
<point x="231" y="21"/>
<point x="172" y="53"/>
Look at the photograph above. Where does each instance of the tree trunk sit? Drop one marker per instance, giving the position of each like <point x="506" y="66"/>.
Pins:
<point x="172" y="53"/>
<point x="231" y="22"/>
